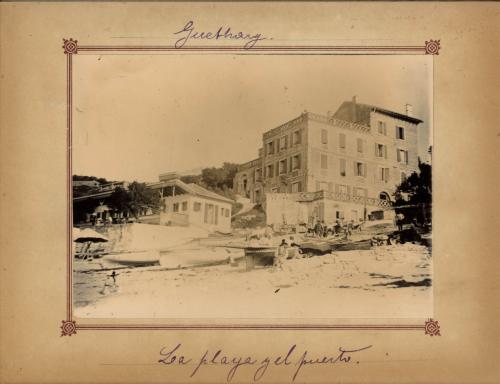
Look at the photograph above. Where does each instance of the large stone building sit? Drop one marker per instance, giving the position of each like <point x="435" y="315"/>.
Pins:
<point x="349" y="163"/>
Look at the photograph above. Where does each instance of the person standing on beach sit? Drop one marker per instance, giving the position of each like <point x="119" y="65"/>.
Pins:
<point x="281" y="255"/>
<point x="399" y="221"/>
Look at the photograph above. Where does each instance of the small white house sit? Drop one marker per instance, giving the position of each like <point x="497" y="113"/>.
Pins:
<point x="191" y="205"/>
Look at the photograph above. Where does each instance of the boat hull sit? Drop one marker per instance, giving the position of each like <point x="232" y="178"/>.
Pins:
<point x="140" y="258"/>
<point x="181" y="258"/>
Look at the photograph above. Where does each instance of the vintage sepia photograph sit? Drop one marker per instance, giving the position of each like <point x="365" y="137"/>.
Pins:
<point x="252" y="186"/>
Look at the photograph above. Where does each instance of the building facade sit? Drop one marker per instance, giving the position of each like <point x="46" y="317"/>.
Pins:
<point x="186" y="204"/>
<point x="356" y="156"/>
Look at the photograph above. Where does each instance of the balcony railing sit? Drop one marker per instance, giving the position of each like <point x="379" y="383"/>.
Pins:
<point x="312" y="196"/>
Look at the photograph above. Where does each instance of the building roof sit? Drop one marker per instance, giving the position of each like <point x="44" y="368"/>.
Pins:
<point x="191" y="188"/>
<point x="200" y="191"/>
<point x="360" y="113"/>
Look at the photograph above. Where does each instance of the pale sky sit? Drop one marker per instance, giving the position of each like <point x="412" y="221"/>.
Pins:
<point x="136" y="116"/>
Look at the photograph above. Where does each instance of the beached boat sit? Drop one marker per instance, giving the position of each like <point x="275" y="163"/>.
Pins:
<point x="136" y="259"/>
<point x="198" y="256"/>
<point x="315" y="247"/>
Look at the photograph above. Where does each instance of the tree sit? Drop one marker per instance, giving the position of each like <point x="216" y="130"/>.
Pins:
<point x="415" y="192"/>
<point x="219" y="178"/>
<point x="137" y="199"/>
<point x="100" y="180"/>
<point x="188" y="179"/>
<point x="417" y="187"/>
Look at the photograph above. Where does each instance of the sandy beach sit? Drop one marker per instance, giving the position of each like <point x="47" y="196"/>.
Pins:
<point x="389" y="281"/>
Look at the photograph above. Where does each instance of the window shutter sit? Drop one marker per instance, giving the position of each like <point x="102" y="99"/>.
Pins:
<point x="364" y="170"/>
<point x="355" y="169"/>
<point x="398" y="155"/>
<point x="298" y="162"/>
<point x="385" y="151"/>
<point x="376" y="150"/>
<point x="290" y="165"/>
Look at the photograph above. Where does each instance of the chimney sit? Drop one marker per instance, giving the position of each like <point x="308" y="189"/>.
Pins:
<point x="353" y="110"/>
<point x="409" y="110"/>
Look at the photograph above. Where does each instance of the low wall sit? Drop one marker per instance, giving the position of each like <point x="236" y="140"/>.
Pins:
<point x="138" y="237"/>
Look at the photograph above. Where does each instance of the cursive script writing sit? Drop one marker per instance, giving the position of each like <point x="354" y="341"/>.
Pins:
<point x="188" y="32"/>
<point x="292" y="358"/>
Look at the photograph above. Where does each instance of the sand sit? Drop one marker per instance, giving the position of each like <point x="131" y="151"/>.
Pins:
<point x="383" y="282"/>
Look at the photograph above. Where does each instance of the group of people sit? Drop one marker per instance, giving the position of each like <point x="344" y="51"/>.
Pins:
<point x="286" y="250"/>
<point x="98" y="221"/>
<point x="321" y="229"/>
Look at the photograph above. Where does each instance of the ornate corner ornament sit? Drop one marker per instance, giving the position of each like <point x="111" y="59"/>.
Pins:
<point x="68" y="328"/>
<point x="432" y="328"/>
<point x="432" y="47"/>
<point x="70" y="46"/>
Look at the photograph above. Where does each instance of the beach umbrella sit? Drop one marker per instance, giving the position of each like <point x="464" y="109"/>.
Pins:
<point x="88" y="234"/>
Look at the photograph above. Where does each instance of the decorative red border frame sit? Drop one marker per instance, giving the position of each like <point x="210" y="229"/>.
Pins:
<point x="69" y="326"/>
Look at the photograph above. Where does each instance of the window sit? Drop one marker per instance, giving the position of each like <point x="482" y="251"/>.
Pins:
<point x="258" y="174"/>
<point x="282" y="165"/>
<point x="384" y="174"/>
<point x="342" y="140"/>
<point x="324" y="161"/>
<point x="270" y="148"/>
<point x="342" y="167"/>
<point x="359" y="169"/>
<point x="381" y="150"/>
<point x="382" y="129"/>
<point x="184" y="205"/>
<point x="324" y="136"/>
<point x="402" y="156"/>
<point x="360" y="145"/>
<point x="296" y="187"/>
<point x="283" y="143"/>
<point x="296" y="162"/>
<point x="197" y="207"/>
<point x="176" y="207"/>
<point x="226" y="214"/>
<point x="297" y="137"/>
<point x="269" y="171"/>
<point x="339" y="215"/>
<point x="400" y="133"/>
